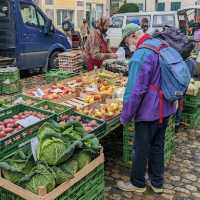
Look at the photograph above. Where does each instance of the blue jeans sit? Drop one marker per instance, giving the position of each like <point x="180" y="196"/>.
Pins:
<point x="149" y="148"/>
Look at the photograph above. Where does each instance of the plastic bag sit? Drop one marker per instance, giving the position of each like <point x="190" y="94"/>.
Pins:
<point x="121" y="54"/>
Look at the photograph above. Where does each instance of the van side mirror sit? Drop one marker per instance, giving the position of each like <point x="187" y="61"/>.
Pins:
<point x="48" y="27"/>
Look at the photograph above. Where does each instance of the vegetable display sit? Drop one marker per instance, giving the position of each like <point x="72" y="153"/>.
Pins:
<point x="62" y="150"/>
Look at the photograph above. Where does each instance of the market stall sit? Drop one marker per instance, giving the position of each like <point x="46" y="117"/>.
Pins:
<point x="80" y="108"/>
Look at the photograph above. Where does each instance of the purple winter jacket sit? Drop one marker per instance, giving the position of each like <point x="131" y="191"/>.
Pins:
<point x="140" y="102"/>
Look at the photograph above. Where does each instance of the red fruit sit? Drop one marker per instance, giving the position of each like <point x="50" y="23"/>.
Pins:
<point x="8" y="130"/>
<point x="10" y="125"/>
<point x="2" y="134"/>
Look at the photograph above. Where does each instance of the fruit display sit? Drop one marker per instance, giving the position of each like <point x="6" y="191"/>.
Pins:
<point x="10" y="125"/>
<point x="23" y="99"/>
<point x="104" y="111"/>
<point x="52" y="107"/>
<point x="88" y="125"/>
<point x="53" y="92"/>
<point x="92" y="98"/>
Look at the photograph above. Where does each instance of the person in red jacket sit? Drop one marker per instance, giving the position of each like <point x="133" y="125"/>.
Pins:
<point x="96" y="47"/>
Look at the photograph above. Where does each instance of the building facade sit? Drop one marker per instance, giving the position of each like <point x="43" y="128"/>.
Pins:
<point x="163" y="5"/>
<point x="75" y="10"/>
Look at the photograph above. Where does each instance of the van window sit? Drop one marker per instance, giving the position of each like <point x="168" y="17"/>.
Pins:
<point x="31" y="16"/>
<point x="117" y="21"/>
<point x="137" y="19"/>
<point x="162" y="20"/>
<point x="4" y="9"/>
<point x="41" y="20"/>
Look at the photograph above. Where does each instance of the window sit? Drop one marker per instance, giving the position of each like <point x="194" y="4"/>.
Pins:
<point x="80" y="3"/>
<point x="50" y="14"/>
<point x="160" y="6"/>
<point x="49" y="2"/>
<point x="99" y="10"/>
<point x="31" y="16"/>
<point x="137" y="19"/>
<point x="62" y="14"/>
<point x="140" y="6"/>
<point x="175" y="6"/>
<point x="41" y="20"/>
<point x="4" y="9"/>
<point x="162" y="20"/>
<point x="117" y="21"/>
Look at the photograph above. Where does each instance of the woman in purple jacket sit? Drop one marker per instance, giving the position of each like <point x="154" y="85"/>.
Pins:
<point x="142" y="104"/>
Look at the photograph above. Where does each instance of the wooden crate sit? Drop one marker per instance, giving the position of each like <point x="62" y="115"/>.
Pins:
<point x="21" y="193"/>
<point x="71" y="61"/>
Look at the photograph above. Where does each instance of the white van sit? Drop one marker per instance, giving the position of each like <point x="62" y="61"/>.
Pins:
<point x="156" y="21"/>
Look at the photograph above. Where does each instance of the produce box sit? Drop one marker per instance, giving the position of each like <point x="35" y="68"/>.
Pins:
<point x="90" y="124"/>
<point x="193" y="101"/>
<point x="57" y="92"/>
<point x="128" y="140"/>
<point x="9" y="73"/>
<point x="4" y="103"/>
<point x="23" y="99"/>
<point x="87" y="184"/>
<point x="191" y="112"/>
<point x="56" y="108"/>
<point x="71" y="61"/>
<point x="58" y="75"/>
<point x="10" y="88"/>
<point x="108" y="111"/>
<point x="12" y="134"/>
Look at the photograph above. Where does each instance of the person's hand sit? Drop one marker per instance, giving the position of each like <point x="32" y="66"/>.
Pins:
<point x="113" y="55"/>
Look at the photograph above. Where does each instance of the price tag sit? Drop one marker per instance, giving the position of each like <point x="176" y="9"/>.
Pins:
<point x="39" y="93"/>
<point x="28" y="121"/>
<point x="34" y="145"/>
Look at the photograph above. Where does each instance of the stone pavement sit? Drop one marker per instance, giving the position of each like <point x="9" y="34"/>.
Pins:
<point x="182" y="175"/>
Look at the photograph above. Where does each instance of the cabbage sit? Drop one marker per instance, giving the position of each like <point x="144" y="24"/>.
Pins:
<point x="71" y="167"/>
<point x="40" y="175"/>
<point x="83" y="158"/>
<point x="61" y="176"/>
<point x="51" y="151"/>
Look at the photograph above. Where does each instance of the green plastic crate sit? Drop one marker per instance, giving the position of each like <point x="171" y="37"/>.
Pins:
<point x="112" y="124"/>
<point x="9" y="73"/>
<point x="56" y="108"/>
<point x="193" y="101"/>
<point x="12" y="142"/>
<point x="99" y="131"/>
<point x="58" y="75"/>
<point x="24" y="98"/>
<point x="90" y="187"/>
<point x="11" y="88"/>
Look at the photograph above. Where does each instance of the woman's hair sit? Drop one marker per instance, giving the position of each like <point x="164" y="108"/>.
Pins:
<point x="101" y="22"/>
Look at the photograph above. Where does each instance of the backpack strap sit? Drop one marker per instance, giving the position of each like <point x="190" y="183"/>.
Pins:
<point x="154" y="48"/>
<point x="161" y="101"/>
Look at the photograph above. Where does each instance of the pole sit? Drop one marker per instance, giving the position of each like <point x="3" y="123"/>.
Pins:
<point x="145" y="5"/>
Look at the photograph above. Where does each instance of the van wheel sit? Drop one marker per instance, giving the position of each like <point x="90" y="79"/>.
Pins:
<point x="53" y="60"/>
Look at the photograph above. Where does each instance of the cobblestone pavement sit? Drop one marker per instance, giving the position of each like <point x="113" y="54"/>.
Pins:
<point x="182" y="175"/>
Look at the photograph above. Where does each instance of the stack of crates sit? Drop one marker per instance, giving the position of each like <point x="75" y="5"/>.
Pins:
<point x="9" y="80"/>
<point x="71" y="61"/>
<point x="128" y="141"/>
<point x="169" y="140"/>
<point x="191" y="112"/>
